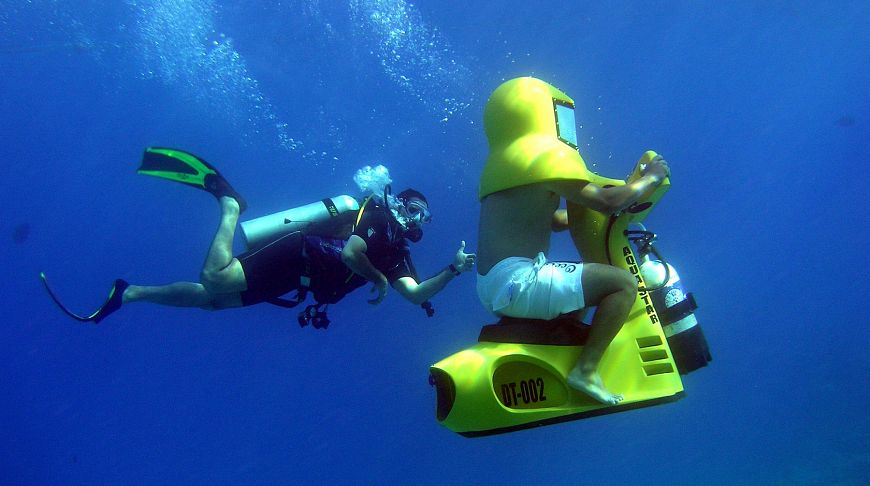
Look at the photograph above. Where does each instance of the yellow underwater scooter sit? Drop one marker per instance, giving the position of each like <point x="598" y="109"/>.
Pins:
<point x="514" y="377"/>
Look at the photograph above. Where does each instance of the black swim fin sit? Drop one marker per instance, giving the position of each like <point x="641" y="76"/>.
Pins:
<point x="113" y="302"/>
<point x="186" y="168"/>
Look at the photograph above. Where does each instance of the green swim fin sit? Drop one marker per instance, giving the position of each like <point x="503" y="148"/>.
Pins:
<point x="113" y="302"/>
<point x="186" y="168"/>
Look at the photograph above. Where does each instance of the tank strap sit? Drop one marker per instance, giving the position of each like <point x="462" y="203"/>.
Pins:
<point x="359" y="216"/>
<point x="362" y="209"/>
<point x="679" y="310"/>
<point x="330" y="207"/>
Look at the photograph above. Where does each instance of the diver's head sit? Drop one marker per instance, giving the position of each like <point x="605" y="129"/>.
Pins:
<point x="415" y="212"/>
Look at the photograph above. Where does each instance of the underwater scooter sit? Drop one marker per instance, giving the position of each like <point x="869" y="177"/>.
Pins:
<point x="514" y="377"/>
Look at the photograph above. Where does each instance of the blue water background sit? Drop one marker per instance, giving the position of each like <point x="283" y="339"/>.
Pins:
<point x="761" y="108"/>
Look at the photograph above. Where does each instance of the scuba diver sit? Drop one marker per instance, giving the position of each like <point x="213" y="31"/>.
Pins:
<point x="524" y="181"/>
<point x="373" y="248"/>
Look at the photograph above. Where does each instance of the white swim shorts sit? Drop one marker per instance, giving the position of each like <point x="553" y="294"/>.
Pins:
<point x="536" y="289"/>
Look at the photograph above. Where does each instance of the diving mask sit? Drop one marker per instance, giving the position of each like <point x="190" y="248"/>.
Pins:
<point x="411" y="210"/>
<point x="418" y="211"/>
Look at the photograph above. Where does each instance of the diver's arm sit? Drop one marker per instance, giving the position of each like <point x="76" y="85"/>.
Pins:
<point x="609" y="200"/>
<point x="354" y="256"/>
<point x="560" y="220"/>
<point x="417" y="293"/>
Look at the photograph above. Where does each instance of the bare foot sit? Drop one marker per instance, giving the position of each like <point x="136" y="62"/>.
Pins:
<point x="591" y="384"/>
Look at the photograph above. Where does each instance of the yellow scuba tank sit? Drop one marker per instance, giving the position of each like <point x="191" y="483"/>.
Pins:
<point x="317" y="215"/>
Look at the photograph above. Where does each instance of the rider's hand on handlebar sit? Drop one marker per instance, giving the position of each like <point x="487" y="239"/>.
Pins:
<point x="657" y="167"/>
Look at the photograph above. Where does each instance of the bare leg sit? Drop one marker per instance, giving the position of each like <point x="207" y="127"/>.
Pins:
<point x="613" y="290"/>
<point x="222" y="276"/>
<point x="222" y="273"/>
<point x="178" y="294"/>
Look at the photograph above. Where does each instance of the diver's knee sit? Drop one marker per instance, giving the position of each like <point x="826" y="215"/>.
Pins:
<point x="622" y="284"/>
<point x="627" y="282"/>
<point x="210" y="280"/>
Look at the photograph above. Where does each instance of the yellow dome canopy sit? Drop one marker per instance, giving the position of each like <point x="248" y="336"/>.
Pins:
<point x="526" y="145"/>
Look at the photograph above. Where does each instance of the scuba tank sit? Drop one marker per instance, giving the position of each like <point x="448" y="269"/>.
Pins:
<point x="262" y="230"/>
<point x="675" y="307"/>
<point x="328" y="217"/>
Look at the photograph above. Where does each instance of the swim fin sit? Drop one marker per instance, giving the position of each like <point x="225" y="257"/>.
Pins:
<point x="186" y="168"/>
<point x="113" y="302"/>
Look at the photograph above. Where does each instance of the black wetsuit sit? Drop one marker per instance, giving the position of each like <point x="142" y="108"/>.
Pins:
<point x="298" y="261"/>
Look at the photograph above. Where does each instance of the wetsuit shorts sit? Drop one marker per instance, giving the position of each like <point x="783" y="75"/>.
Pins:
<point x="273" y="270"/>
<point x="534" y="289"/>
